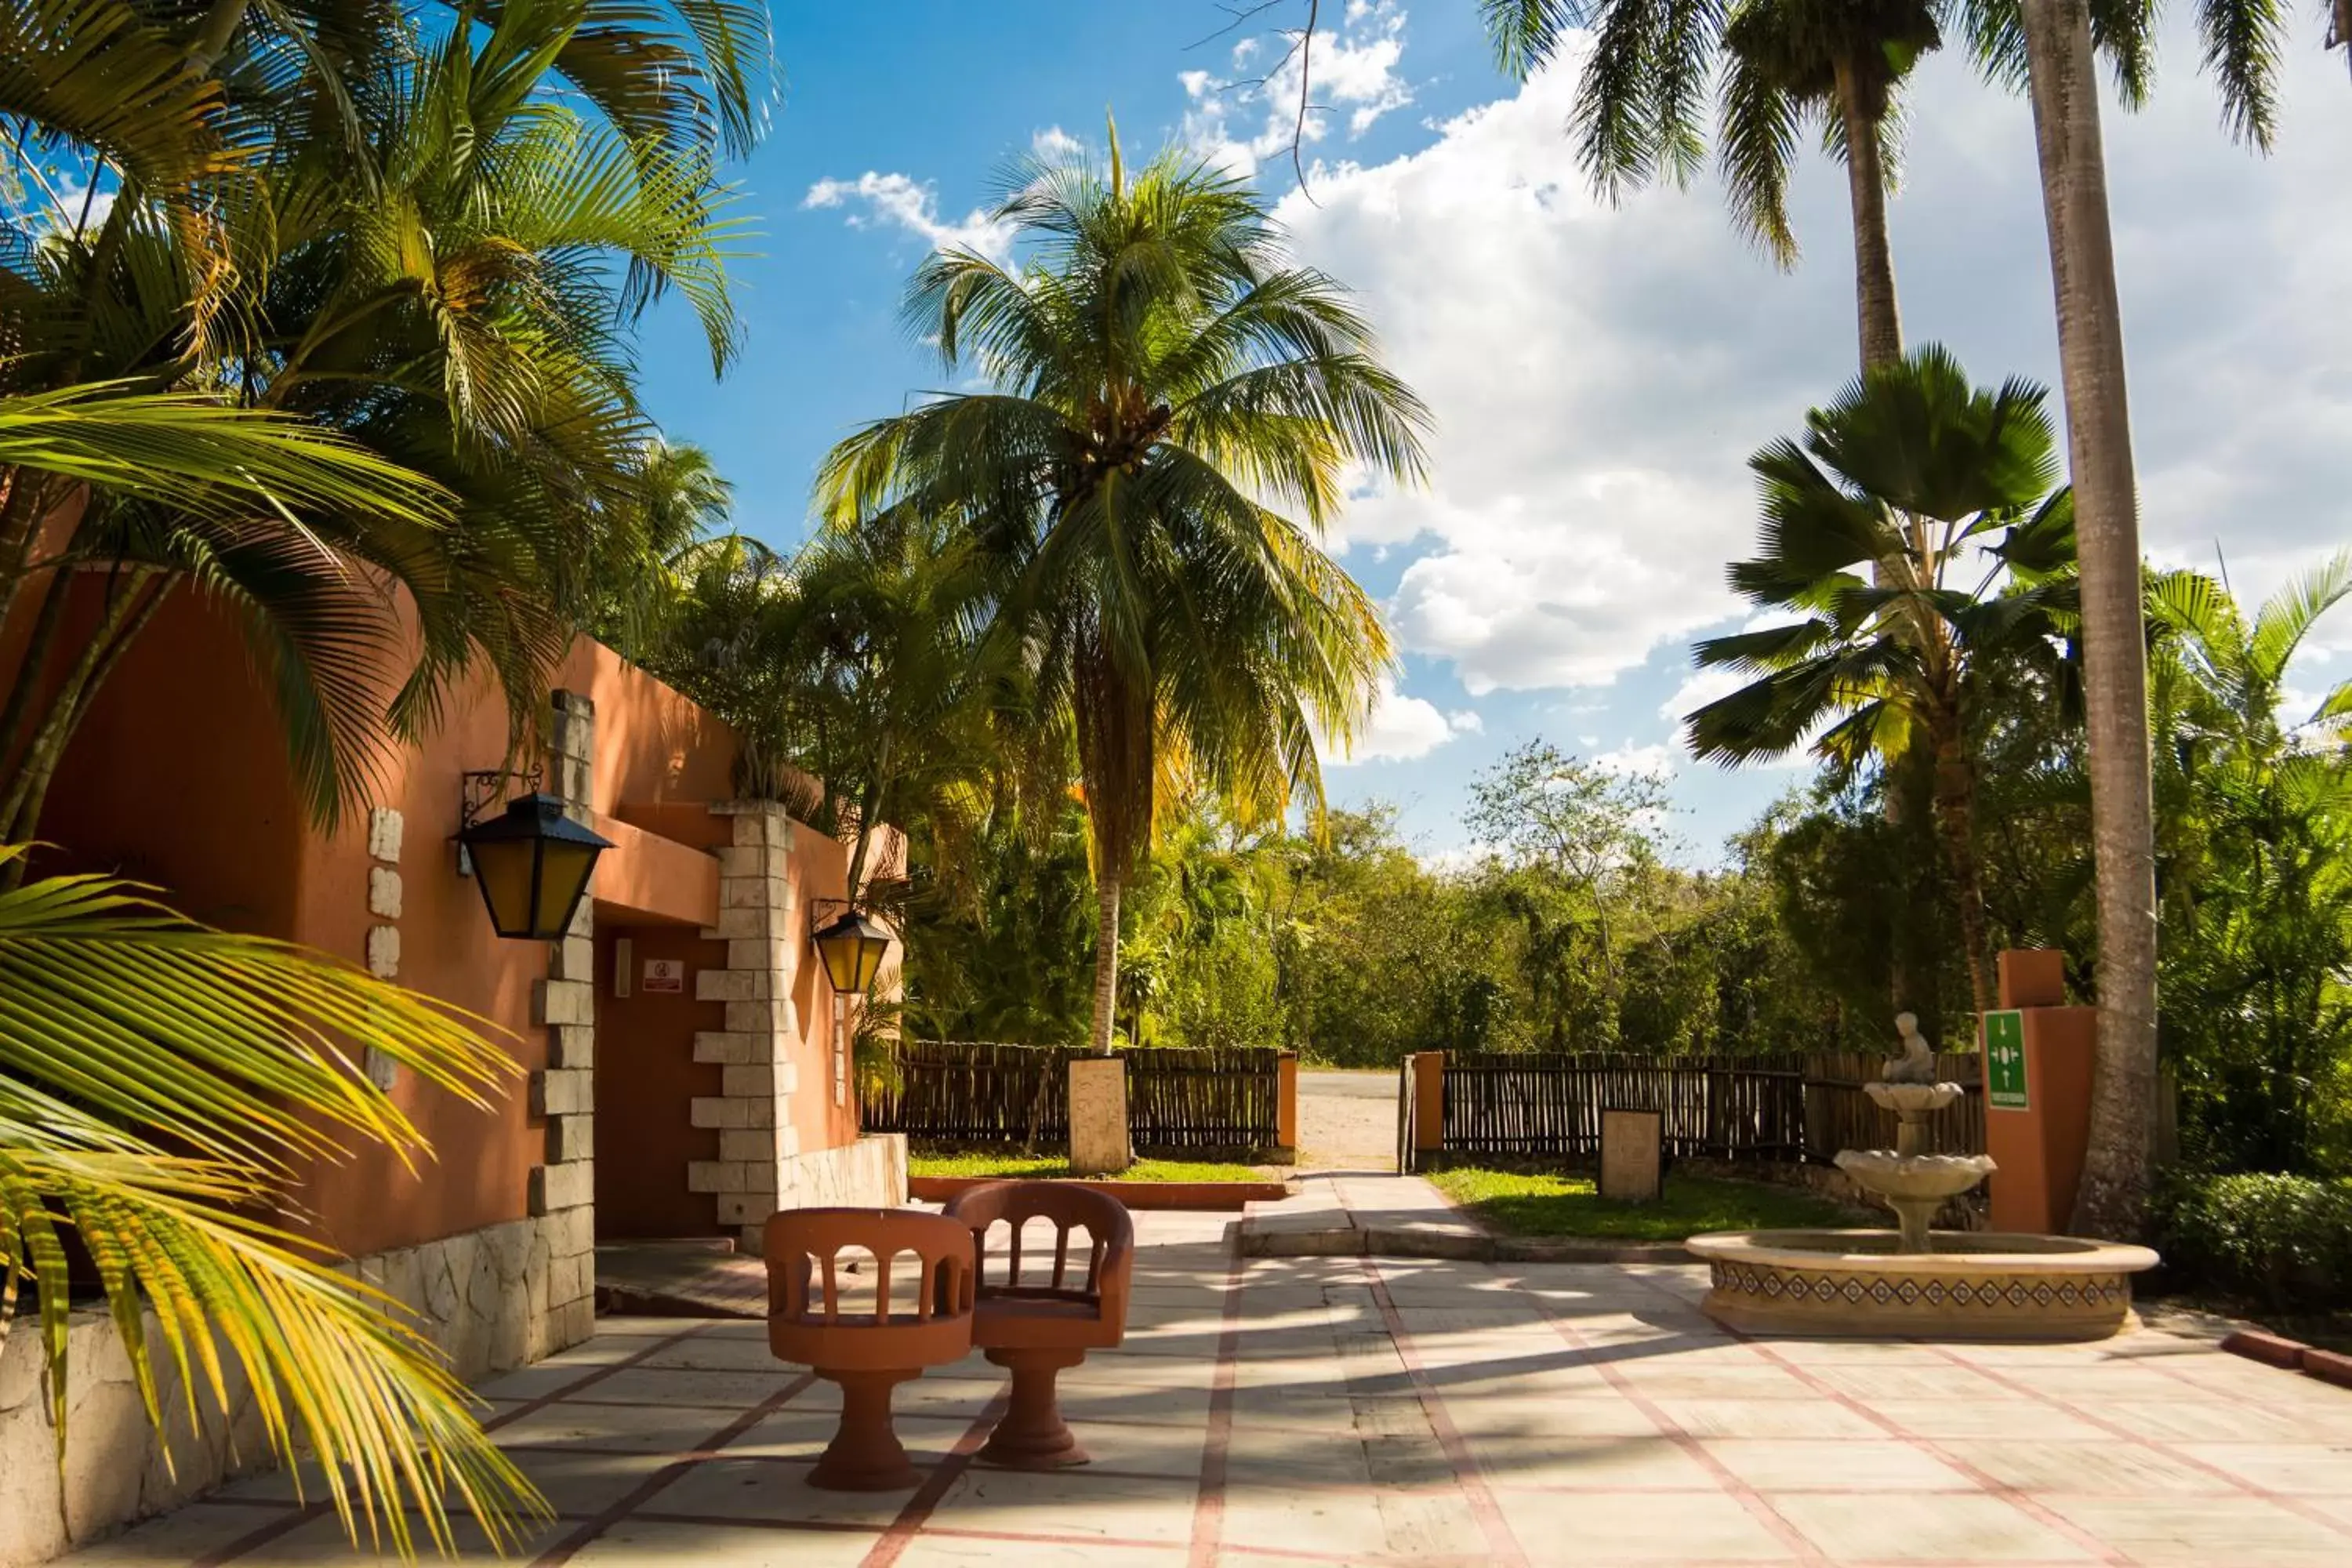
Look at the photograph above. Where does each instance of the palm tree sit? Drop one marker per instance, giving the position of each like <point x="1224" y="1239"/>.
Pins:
<point x="1165" y="383"/>
<point x="158" y="1082"/>
<point x="1787" y="64"/>
<point x="455" y="296"/>
<point x="1915" y="475"/>
<point x="2260" y="912"/>
<point x="2056" y="42"/>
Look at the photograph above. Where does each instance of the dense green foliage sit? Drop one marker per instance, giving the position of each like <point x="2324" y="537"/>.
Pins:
<point x="2278" y="1242"/>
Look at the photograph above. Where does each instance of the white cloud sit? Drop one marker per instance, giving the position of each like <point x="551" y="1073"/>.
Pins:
<point x="900" y="200"/>
<point x="1401" y="728"/>
<point x="1600" y="376"/>
<point x="1055" y="142"/>
<point x="1655" y="762"/>
<point x="1239" y="122"/>
<point x="1465" y="721"/>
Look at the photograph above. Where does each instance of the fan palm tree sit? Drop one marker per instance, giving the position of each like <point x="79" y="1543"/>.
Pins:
<point x="1941" y="491"/>
<point x="158" y="1082"/>
<point x="1175" y="406"/>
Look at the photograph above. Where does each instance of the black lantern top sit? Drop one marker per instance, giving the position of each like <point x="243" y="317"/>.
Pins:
<point x="852" y="948"/>
<point x="532" y="863"/>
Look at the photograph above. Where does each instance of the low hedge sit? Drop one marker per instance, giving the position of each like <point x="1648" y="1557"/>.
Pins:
<point x="2283" y="1243"/>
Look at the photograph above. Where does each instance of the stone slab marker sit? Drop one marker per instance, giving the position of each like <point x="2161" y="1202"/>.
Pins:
<point x="1098" y="1142"/>
<point x="1629" y="1155"/>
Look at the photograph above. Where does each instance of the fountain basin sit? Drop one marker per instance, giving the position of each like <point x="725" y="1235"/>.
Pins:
<point x="1911" y="1098"/>
<point x="1928" y="1176"/>
<point x="1974" y="1285"/>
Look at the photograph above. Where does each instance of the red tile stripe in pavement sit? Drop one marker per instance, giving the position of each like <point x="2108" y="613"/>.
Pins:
<point x="562" y="1550"/>
<point x="296" y="1517"/>
<point x="900" y="1532"/>
<point x="1209" y="1507"/>
<point x="2024" y="1501"/>
<point x="2287" y="1501"/>
<point x="1759" y="1507"/>
<point x="1503" y="1545"/>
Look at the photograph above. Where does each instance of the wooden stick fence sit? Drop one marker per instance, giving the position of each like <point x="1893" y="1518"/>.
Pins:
<point x="1793" y="1109"/>
<point x="985" y="1092"/>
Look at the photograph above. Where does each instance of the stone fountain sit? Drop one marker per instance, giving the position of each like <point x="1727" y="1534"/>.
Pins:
<point x="1915" y="1280"/>
<point x="1913" y="1182"/>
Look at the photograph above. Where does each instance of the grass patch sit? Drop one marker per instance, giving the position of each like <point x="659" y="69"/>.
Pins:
<point x="1513" y="1203"/>
<point x="1045" y="1167"/>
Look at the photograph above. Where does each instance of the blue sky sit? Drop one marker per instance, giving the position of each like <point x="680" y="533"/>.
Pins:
<point x="1599" y="374"/>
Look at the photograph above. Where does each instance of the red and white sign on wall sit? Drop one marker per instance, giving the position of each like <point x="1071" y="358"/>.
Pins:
<point x="665" y="975"/>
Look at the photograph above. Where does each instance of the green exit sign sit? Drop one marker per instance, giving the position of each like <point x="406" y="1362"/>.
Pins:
<point x="2004" y="1046"/>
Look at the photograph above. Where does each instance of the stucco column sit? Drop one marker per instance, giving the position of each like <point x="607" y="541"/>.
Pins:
<point x="563" y="1188"/>
<point x="752" y="1111"/>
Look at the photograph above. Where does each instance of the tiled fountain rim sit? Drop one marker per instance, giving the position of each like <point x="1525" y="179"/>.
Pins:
<point x="1977" y="1252"/>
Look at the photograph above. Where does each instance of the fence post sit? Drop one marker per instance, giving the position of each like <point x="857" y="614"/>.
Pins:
<point x="1286" y="1113"/>
<point x="1429" y="1101"/>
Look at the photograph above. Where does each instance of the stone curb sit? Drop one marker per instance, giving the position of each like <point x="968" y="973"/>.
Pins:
<point x="2291" y="1355"/>
<point x="1199" y="1197"/>
<point x="1377" y="1242"/>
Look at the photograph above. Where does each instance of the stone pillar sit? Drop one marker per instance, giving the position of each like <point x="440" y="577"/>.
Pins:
<point x="563" y="1188"/>
<point x="752" y="1111"/>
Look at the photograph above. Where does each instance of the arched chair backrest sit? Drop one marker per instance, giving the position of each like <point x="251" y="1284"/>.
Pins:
<point x="803" y="1249"/>
<point x="1110" y="1258"/>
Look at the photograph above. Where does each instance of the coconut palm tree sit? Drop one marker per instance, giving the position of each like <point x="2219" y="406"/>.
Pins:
<point x="456" y="298"/>
<point x="1786" y="65"/>
<point x="2055" y="39"/>
<point x="1174" y="406"/>
<point x="158" y="1083"/>
<point x="1942" y="492"/>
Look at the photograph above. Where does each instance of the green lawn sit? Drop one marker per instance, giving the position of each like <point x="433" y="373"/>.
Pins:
<point x="1516" y="1204"/>
<point x="1039" y="1167"/>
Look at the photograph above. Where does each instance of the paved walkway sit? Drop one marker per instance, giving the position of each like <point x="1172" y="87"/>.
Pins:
<point x="1350" y="1410"/>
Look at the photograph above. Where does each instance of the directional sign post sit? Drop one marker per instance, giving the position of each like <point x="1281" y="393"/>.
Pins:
<point x="2004" y="1044"/>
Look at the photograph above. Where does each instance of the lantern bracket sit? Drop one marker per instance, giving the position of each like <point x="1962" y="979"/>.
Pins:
<point x="482" y="792"/>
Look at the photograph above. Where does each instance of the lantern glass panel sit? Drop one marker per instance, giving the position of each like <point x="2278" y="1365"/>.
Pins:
<point x="505" y="870"/>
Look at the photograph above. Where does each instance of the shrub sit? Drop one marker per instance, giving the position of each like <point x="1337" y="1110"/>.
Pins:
<point x="2283" y="1243"/>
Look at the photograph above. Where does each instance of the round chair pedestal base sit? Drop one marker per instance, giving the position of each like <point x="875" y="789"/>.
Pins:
<point x="865" y="1455"/>
<point x="1033" y="1436"/>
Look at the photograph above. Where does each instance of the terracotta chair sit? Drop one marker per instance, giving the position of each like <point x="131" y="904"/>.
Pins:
<point x="1037" y="1324"/>
<point x="868" y="1350"/>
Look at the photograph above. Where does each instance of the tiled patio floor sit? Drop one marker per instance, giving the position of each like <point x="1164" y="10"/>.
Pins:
<point x="1347" y="1410"/>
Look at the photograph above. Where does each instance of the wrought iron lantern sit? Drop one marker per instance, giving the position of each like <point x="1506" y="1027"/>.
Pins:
<point x="853" y="948"/>
<point x="532" y="863"/>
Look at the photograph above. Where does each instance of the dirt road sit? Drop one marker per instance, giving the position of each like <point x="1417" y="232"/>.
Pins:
<point x="1347" y="1120"/>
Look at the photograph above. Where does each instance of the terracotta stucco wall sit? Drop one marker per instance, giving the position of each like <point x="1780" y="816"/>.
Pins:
<point x="178" y="778"/>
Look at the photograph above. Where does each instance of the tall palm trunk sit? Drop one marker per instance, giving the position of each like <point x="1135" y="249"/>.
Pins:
<point x="1879" y="324"/>
<point x="1880" y="321"/>
<point x="1956" y="810"/>
<point x="2098" y="433"/>
<point x="1106" y="961"/>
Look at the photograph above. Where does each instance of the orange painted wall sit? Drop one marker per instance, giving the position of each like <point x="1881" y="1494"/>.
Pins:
<point x="179" y="777"/>
<point x="168" y="744"/>
<point x="646" y="1078"/>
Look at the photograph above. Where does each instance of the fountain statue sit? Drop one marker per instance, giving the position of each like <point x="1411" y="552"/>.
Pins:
<point x="1913" y="1281"/>
<point x="1913" y="1182"/>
